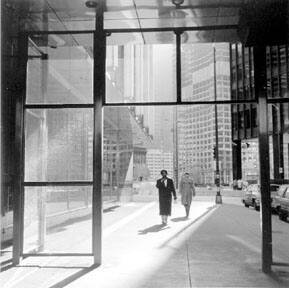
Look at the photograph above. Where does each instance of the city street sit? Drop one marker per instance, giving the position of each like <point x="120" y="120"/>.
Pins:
<point x="218" y="246"/>
<point x="225" y="251"/>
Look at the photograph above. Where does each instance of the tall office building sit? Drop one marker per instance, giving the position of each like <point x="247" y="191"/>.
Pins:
<point x="135" y="73"/>
<point x="196" y="123"/>
<point x="158" y="160"/>
<point x="245" y="124"/>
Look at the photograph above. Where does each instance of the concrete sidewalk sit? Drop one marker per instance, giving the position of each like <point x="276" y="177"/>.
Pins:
<point x="225" y="251"/>
<point x="132" y="241"/>
<point x="219" y="246"/>
<point x="220" y="249"/>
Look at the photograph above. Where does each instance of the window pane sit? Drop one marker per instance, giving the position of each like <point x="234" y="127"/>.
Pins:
<point x="58" y="144"/>
<point x="60" y="69"/>
<point x="198" y="75"/>
<point x="51" y="217"/>
<point x="196" y="141"/>
<point x="140" y="73"/>
<point x="137" y="144"/>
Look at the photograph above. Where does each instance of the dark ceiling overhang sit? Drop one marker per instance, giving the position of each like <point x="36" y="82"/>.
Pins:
<point x="252" y="22"/>
<point x="264" y="23"/>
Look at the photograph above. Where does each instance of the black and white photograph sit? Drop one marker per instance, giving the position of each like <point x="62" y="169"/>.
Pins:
<point x="144" y="144"/>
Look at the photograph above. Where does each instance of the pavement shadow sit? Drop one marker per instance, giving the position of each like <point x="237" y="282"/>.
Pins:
<point x="187" y="226"/>
<point x="6" y="264"/>
<point x="110" y="209"/>
<point x="73" y="277"/>
<point x="280" y="277"/>
<point x="179" y="219"/>
<point x="62" y="226"/>
<point x="153" y="229"/>
<point x="281" y="264"/>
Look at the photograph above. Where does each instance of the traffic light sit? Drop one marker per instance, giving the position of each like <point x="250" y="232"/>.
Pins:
<point x="215" y="152"/>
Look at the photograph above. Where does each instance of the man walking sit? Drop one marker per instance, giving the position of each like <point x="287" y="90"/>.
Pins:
<point x="166" y="189"/>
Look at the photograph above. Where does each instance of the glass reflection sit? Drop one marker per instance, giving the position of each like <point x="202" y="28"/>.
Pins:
<point x="198" y="76"/>
<point x="140" y="73"/>
<point x="60" y="69"/>
<point x="58" y="144"/>
<point x="141" y="141"/>
<point x="51" y="217"/>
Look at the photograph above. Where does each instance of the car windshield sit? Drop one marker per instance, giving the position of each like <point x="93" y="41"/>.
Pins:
<point x="282" y="190"/>
<point x="274" y="188"/>
<point x="256" y="189"/>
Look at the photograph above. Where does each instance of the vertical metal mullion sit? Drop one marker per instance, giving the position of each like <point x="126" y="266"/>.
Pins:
<point x="250" y="89"/>
<point x="18" y="193"/>
<point x="280" y="120"/>
<point x="237" y="89"/>
<point x="99" y="95"/>
<point x="231" y="92"/>
<point x="179" y="67"/>
<point x="279" y="70"/>
<point x="271" y="73"/>
<point x="274" y="118"/>
<point x="260" y="69"/>
<point x="287" y="65"/>
<point x="244" y="106"/>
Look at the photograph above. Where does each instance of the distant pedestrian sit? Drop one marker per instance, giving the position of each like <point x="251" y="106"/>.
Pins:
<point x="187" y="191"/>
<point x="166" y="189"/>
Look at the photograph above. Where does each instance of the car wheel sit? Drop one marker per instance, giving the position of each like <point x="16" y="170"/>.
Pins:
<point x="246" y="205"/>
<point x="283" y="217"/>
<point x="257" y="208"/>
<point x="277" y="210"/>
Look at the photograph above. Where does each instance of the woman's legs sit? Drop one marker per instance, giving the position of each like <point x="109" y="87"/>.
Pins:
<point x="164" y="219"/>
<point x="187" y="207"/>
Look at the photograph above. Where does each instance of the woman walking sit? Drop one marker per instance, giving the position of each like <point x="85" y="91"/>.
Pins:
<point x="166" y="189"/>
<point x="187" y="191"/>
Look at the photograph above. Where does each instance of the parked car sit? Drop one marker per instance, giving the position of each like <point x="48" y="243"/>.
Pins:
<point x="274" y="189"/>
<point x="280" y="202"/>
<point x="252" y="195"/>
<point x="275" y="204"/>
<point x="284" y="207"/>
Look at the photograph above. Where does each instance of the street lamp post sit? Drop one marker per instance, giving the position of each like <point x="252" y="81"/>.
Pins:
<point x="217" y="176"/>
<point x="176" y="148"/>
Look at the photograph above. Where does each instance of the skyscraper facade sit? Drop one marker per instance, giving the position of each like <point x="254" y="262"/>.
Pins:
<point x="244" y="117"/>
<point x="135" y="73"/>
<point x="196" y="123"/>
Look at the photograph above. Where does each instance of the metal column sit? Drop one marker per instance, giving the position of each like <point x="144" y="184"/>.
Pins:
<point x="18" y="189"/>
<point x="261" y="94"/>
<point x="99" y="95"/>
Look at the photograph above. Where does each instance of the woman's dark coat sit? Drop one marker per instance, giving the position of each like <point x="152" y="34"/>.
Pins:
<point x="165" y="195"/>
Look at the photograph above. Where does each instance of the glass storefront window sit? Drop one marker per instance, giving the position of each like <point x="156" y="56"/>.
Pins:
<point x="60" y="69"/>
<point x="51" y="217"/>
<point x="58" y="144"/>
<point x="198" y="72"/>
<point x="139" y="73"/>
